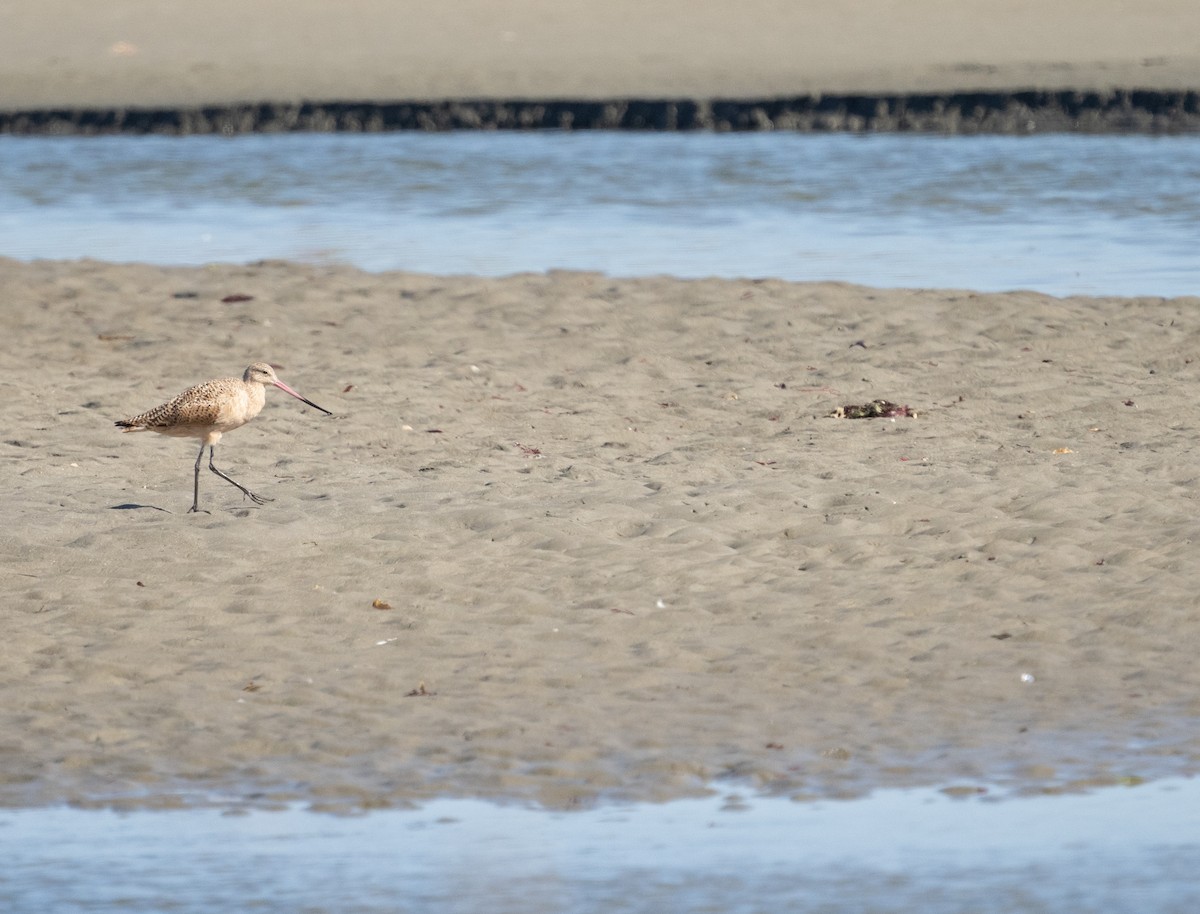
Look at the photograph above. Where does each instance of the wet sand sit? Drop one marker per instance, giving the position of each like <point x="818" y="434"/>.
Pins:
<point x="570" y="537"/>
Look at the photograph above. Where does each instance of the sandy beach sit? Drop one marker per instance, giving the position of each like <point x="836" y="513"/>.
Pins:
<point x="569" y="538"/>
<point x="75" y="54"/>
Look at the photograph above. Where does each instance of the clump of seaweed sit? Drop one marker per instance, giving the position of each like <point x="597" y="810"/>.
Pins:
<point x="876" y="409"/>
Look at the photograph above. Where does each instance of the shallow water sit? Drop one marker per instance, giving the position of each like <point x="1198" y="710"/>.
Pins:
<point x="1121" y="849"/>
<point x="1061" y="214"/>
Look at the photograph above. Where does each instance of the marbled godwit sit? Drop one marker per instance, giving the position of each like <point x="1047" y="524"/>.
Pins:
<point x="208" y="410"/>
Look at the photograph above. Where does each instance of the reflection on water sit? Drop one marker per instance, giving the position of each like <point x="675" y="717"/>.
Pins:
<point x="1063" y="214"/>
<point x="1122" y="849"/>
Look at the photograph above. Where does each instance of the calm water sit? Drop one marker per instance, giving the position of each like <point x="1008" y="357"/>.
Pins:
<point x="1062" y="214"/>
<point x="1122" y="849"/>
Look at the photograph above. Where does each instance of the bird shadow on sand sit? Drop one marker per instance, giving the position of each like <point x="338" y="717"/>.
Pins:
<point x="130" y="506"/>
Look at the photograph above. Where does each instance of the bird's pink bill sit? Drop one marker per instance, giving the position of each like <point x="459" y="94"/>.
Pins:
<point x="287" y="389"/>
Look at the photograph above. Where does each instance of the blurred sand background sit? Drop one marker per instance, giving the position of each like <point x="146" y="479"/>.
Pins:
<point x="79" y="54"/>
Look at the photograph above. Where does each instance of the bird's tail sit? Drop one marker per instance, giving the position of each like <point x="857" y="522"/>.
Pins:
<point x="129" y="425"/>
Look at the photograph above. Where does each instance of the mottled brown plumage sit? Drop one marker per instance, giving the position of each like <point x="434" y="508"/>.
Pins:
<point x="208" y="410"/>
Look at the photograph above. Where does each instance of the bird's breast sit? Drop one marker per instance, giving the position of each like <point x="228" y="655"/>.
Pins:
<point x="237" y="410"/>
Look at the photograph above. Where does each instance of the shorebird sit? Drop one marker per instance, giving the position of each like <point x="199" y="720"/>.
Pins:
<point x="208" y="410"/>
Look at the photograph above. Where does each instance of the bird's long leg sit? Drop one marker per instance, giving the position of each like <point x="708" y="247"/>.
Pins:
<point x="196" y="491"/>
<point x="257" y="499"/>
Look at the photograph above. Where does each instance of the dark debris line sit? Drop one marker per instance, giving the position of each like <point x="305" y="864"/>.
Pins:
<point x="1125" y="111"/>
